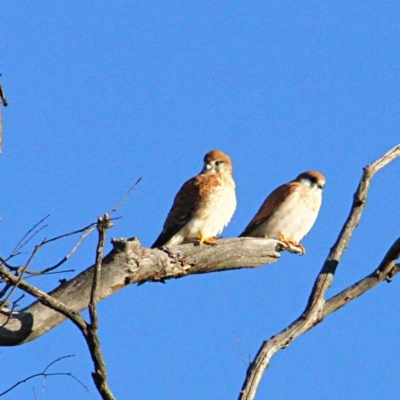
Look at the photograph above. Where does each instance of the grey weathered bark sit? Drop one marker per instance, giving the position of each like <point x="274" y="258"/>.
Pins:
<point x="127" y="263"/>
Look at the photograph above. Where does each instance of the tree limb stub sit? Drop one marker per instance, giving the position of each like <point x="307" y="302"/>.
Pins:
<point x="128" y="263"/>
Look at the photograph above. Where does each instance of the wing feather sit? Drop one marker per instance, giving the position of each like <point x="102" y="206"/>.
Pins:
<point x="270" y="205"/>
<point x="186" y="202"/>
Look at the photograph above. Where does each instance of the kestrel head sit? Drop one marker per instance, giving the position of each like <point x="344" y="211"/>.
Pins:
<point x="216" y="161"/>
<point x="312" y="178"/>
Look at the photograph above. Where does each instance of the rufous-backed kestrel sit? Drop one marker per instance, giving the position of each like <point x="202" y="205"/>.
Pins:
<point x="203" y="206"/>
<point x="290" y="211"/>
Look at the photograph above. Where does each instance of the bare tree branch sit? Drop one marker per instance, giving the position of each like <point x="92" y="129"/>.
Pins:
<point x="3" y="98"/>
<point x="125" y="196"/>
<point x="43" y="298"/>
<point x="89" y="330"/>
<point x="313" y="312"/>
<point x="92" y="339"/>
<point x="3" y="291"/>
<point x="13" y="307"/>
<point x="21" y="243"/>
<point x="3" y="102"/>
<point x="20" y="276"/>
<point x="129" y="263"/>
<point x="45" y="374"/>
<point x="12" y="283"/>
<point x="385" y="271"/>
<point x="87" y="231"/>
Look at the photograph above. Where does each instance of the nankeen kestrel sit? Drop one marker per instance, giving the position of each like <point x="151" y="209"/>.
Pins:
<point x="290" y="211"/>
<point x="203" y="206"/>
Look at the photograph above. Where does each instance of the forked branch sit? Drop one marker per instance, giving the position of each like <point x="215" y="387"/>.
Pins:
<point x="45" y="374"/>
<point x="88" y="330"/>
<point x="317" y="307"/>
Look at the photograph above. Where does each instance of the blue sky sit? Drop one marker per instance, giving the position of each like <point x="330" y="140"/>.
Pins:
<point x="102" y="93"/>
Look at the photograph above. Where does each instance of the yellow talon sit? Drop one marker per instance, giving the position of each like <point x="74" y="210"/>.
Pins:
<point x="206" y="240"/>
<point x="289" y="243"/>
<point x="284" y="240"/>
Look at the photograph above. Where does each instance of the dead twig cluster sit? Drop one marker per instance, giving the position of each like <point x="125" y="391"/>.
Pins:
<point x="24" y="271"/>
<point x="13" y="278"/>
<point x="45" y="374"/>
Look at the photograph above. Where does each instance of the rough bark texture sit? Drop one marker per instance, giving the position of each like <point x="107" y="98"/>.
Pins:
<point x="128" y="263"/>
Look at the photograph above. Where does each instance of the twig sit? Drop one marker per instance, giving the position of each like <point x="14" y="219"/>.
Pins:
<point x="4" y="261"/>
<point x="3" y="96"/>
<point x="20" y="274"/>
<point x="24" y="269"/>
<point x="4" y="291"/>
<point x="88" y="229"/>
<point x="45" y="374"/>
<point x="3" y="102"/>
<point x="240" y="351"/>
<point x="34" y="274"/>
<point x="385" y="271"/>
<point x="14" y="305"/>
<point x="125" y="196"/>
<point x="57" y="360"/>
<point x="45" y="299"/>
<point x="89" y="331"/>
<point x="100" y="373"/>
<point x="102" y="225"/>
<point x="19" y="246"/>
<point x="314" y="311"/>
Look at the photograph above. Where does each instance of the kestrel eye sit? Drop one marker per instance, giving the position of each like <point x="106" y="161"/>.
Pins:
<point x="218" y="163"/>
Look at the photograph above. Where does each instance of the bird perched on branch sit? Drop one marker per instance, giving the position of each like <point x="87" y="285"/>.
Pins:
<point x="290" y="211"/>
<point x="203" y="206"/>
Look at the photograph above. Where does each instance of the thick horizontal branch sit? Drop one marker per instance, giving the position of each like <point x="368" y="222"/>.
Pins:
<point x="128" y="263"/>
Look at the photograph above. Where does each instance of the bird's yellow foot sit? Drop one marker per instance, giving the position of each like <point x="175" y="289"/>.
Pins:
<point x="206" y="240"/>
<point x="290" y="243"/>
<point x="284" y="240"/>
